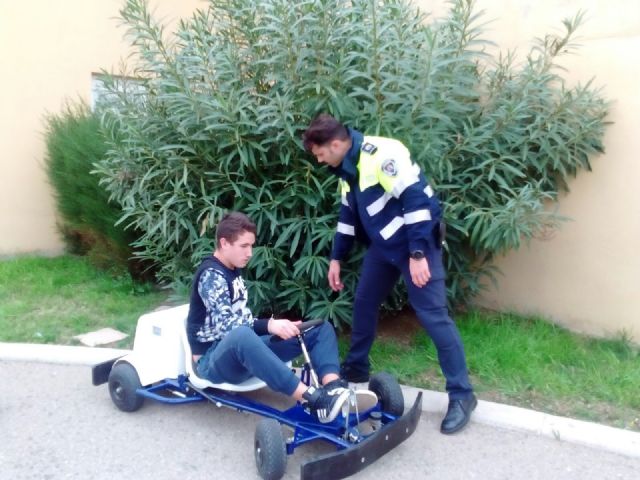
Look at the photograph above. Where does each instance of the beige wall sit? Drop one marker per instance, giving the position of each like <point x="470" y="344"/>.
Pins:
<point x="48" y="51"/>
<point x="586" y="277"/>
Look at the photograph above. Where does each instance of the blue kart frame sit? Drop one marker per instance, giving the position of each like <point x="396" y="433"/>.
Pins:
<point x="360" y="438"/>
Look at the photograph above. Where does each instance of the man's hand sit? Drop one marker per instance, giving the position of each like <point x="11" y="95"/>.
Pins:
<point x="283" y="328"/>
<point x="334" y="276"/>
<point x="420" y="273"/>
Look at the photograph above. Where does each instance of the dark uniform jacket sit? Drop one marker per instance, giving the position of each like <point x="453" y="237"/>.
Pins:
<point x="386" y="200"/>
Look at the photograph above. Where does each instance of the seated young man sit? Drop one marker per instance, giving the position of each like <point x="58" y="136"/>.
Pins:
<point x="230" y="345"/>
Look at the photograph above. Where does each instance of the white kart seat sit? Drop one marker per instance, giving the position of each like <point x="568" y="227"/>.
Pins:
<point x="253" y="383"/>
<point x="161" y="351"/>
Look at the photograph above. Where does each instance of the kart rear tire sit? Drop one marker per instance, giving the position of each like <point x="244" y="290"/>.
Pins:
<point x="388" y="390"/>
<point x="270" y="449"/>
<point x="123" y="383"/>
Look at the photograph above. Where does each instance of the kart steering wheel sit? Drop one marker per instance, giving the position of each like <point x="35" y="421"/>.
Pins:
<point x="304" y="327"/>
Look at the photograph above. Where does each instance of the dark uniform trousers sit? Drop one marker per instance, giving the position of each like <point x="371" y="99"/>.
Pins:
<point x="378" y="276"/>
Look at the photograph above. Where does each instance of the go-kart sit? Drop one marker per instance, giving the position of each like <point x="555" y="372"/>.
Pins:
<point x="160" y="367"/>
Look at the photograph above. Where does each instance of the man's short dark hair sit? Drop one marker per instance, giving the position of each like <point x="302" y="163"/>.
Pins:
<point x="323" y="129"/>
<point x="233" y="225"/>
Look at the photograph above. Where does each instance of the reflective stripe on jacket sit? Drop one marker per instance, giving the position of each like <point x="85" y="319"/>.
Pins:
<point x="385" y="198"/>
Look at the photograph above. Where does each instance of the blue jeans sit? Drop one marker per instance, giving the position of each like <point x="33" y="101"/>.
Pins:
<point x="378" y="276"/>
<point x="243" y="354"/>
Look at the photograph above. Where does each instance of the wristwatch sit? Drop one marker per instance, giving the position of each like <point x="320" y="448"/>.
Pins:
<point x="417" y="254"/>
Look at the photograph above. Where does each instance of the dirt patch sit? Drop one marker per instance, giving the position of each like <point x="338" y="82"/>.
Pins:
<point x="401" y="326"/>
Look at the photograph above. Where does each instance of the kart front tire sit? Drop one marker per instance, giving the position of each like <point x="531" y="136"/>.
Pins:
<point x="123" y="383"/>
<point x="270" y="450"/>
<point x="388" y="390"/>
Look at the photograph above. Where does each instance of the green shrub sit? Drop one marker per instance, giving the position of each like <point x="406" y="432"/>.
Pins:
<point x="214" y="119"/>
<point x="87" y="220"/>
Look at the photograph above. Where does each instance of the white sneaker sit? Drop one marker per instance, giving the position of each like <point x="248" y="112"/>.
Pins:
<point x="326" y="403"/>
<point x="362" y="400"/>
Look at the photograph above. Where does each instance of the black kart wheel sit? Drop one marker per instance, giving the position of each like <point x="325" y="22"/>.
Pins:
<point x="388" y="390"/>
<point x="123" y="383"/>
<point x="270" y="449"/>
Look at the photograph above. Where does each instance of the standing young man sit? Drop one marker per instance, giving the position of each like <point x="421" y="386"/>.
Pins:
<point x="387" y="203"/>
<point x="230" y="345"/>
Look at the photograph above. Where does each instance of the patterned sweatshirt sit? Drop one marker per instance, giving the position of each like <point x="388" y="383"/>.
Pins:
<point x="218" y="305"/>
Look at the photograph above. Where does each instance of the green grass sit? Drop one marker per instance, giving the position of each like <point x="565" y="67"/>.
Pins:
<point x="49" y="300"/>
<point x="530" y="363"/>
<point x="520" y="361"/>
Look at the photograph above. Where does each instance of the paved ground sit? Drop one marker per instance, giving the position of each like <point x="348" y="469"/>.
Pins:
<point x="56" y="425"/>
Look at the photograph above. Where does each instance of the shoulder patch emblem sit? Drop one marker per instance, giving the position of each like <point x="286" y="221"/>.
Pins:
<point x="389" y="167"/>
<point x="369" y="148"/>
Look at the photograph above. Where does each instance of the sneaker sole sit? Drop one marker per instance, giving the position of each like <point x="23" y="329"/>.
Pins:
<point x="362" y="400"/>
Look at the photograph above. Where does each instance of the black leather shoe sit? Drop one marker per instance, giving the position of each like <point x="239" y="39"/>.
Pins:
<point x="458" y="414"/>
<point x="353" y="375"/>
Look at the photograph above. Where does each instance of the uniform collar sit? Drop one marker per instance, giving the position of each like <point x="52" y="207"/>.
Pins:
<point x="348" y="169"/>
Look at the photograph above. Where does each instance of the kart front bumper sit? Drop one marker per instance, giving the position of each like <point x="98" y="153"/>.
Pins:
<point x="349" y="461"/>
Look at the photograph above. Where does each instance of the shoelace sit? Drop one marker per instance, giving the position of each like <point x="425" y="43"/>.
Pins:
<point x="353" y="400"/>
<point x="323" y="413"/>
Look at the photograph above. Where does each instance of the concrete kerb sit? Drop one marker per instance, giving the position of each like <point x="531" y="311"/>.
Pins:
<point x="31" y="352"/>
<point x="489" y="413"/>
<point x="565" y="429"/>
